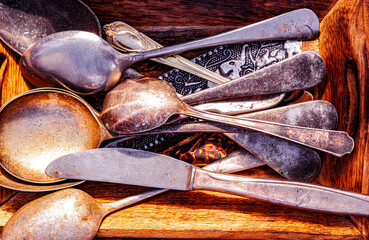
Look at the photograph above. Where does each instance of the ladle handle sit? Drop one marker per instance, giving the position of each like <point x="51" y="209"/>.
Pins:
<point x="298" y="24"/>
<point x="294" y="194"/>
<point x="336" y="143"/>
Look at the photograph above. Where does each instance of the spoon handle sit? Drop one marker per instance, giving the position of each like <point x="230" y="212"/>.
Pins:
<point x="298" y="24"/>
<point x="294" y="194"/>
<point x="117" y="37"/>
<point x="301" y="71"/>
<point x="336" y="143"/>
<point x="235" y="162"/>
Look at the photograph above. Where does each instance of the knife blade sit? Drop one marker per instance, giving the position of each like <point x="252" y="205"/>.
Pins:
<point x="137" y="167"/>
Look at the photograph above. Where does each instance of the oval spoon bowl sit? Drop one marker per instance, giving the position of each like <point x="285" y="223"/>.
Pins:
<point x="38" y="126"/>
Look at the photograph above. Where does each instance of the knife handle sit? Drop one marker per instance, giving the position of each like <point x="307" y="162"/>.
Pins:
<point x="294" y="194"/>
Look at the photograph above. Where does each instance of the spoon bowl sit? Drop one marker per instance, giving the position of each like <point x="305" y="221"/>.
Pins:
<point x="9" y="181"/>
<point x="66" y="214"/>
<point x="46" y="123"/>
<point x="140" y="105"/>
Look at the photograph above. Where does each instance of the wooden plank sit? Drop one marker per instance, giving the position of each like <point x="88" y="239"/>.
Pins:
<point x="5" y="193"/>
<point x="202" y="214"/>
<point x="344" y="48"/>
<point x="201" y="12"/>
<point x="13" y="83"/>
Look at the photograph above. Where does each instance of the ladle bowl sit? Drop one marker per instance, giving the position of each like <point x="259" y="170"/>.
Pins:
<point x="35" y="128"/>
<point x="9" y="181"/>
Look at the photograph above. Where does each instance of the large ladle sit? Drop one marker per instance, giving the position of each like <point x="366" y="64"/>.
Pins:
<point x="85" y="63"/>
<point x="7" y="180"/>
<point x="48" y="123"/>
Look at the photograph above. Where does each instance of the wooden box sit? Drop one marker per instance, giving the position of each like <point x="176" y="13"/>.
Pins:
<point x="343" y="46"/>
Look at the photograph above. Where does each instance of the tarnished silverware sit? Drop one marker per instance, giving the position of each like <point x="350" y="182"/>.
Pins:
<point x="127" y="39"/>
<point x="291" y="160"/>
<point x="44" y="67"/>
<point x="65" y="123"/>
<point x="39" y="219"/>
<point x="125" y="112"/>
<point x="137" y="167"/>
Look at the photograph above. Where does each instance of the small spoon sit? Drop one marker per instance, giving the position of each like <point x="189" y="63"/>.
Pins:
<point x="85" y="63"/>
<point x="143" y="104"/>
<point x="52" y="122"/>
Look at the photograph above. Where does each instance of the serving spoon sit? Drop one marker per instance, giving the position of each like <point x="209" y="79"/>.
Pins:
<point x="301" y="71"/>
<point x="54" y="122"/>
<point x="85" y="63"/>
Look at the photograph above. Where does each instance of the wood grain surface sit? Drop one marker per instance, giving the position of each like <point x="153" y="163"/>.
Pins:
<point x="342" y="44"/>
